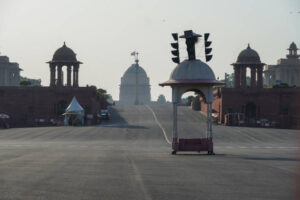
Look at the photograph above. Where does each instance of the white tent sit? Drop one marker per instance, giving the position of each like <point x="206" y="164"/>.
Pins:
<point x="74" y="113"/>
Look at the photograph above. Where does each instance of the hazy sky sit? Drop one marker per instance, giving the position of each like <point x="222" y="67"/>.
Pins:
<point x="103" y="33"/>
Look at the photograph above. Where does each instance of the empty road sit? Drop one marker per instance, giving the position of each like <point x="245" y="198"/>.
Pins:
<point x="128" y="157"/>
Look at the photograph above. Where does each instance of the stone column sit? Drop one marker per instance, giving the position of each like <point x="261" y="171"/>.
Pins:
<point x="267" y="77"/>
<point x="273" y="79"/>
<point x="69" y="71"/>
<point x="59" y="76"/>
<point x="77" y="72"/>
<point x="175" y="133"/>
<point x="75" y="75"/>
<point x="259" y="77"/>
<point x="52" y="75"/>
<point x="243" y="77"/>
<point x="209" y="121"/>
<point x="253" y="77"/>
<point x="237" y="76"/>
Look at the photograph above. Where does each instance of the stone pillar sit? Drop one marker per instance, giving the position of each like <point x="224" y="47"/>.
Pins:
<point x="237" y="77"/>
<point x="59" y="76"/>
<point x="273" y="79"/>
<point x="75" y="75"/>
<point x="209" y="121"/>
<point x="52" y="75"/>
<point x="243" y="77"/>
<point x="259" y="77"/>
<point x="253" y="77"/>
<point x="77" y="72"/>
<point x="175" y="133"/>
<point x="267" y="77"/>
<point x="69" y="71"/>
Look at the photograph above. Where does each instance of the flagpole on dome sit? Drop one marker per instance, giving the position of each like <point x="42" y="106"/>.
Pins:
<point x="136" y="54"/>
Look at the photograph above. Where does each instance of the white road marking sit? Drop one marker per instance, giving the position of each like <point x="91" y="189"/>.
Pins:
<point x="256" y="147"/>
<point x="159" y="124"/>
<point x="138" y="177"/>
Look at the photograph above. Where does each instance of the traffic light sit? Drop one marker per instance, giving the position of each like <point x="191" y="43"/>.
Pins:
<point x="175" y="46"/>
<point x="207" y="49"/>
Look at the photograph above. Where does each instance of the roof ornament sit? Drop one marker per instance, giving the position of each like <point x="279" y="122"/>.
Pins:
<point x="248" y="46"/>
<point x="191" y="39"/>
<point x="136" y="56"/>
<point x="64" y="44"/>
<point x="293" y="51"/>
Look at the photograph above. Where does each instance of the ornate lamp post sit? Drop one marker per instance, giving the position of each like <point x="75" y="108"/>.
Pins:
<point x="192" y="75"/>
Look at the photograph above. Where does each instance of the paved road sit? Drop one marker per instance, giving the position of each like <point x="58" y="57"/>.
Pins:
<point x="129" y="158"/>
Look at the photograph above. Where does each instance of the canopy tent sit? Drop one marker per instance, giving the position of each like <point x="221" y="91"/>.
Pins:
<point x="74" y="114"/>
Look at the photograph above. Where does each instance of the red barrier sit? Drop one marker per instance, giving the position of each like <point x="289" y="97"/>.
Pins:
<point x="194" y="144"/>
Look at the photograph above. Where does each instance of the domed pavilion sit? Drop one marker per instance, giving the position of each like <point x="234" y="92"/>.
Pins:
<point x="248" y="58"/>
<point x="64" y="56"/>
<point x="135" y="86"/>
<point x="192" y="75"/>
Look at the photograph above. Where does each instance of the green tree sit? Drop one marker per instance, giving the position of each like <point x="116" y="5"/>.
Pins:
<point x="103" y="93"/>
<point x="25" y="83"/>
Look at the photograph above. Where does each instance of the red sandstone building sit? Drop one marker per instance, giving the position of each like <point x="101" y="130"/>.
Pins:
<point x="28" y="106"/>
<point x="251" y="105"/>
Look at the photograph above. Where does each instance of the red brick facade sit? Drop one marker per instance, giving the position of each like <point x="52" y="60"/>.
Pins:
<point x="278" y="105"/>
<point x="27" y="104"/>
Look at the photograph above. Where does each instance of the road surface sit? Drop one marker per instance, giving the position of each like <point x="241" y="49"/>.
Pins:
<point x="129" y="157"/>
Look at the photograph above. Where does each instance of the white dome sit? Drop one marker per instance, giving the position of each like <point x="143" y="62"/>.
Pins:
<point x="130" y="75"/>
<point x="128" y="86"/>
<point x="192" y="70"/>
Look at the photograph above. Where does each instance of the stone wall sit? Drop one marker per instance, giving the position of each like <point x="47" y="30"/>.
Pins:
<point x="280" y="105"/>
<point x="25" y="105"/>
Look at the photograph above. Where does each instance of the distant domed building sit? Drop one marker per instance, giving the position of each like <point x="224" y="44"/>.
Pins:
<point x="9" y="72"/>
<point x="135" y="75"/>
<point x="287" y="70"/>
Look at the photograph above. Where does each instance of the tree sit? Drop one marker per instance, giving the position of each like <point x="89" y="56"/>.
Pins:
<point x="103" y="93"/>
<point x="189" y="100"/>
<point x="25" y="83"/>
<point x="161" y="99"/>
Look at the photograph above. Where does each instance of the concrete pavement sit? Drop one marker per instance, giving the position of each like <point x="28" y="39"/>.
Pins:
<point x="128" y="158"/>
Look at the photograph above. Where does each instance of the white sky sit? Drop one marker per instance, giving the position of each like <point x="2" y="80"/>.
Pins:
<point x="103" y="33"/>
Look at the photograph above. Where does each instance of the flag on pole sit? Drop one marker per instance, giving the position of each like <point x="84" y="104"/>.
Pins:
<point x="133" y="53"/>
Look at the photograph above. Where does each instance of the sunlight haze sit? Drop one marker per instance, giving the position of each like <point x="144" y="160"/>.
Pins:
<point x="104" y="33"/>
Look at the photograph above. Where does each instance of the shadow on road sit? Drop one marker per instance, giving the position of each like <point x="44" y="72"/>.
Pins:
<point x="117" y="121"/>
<point x="273" y="159"/>
<point x="125" y="126"/>
<point x="199" y="154"/>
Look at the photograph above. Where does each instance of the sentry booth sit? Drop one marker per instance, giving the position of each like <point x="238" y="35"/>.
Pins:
<point x="192" y="75"/>
<point x="74" y="114"/>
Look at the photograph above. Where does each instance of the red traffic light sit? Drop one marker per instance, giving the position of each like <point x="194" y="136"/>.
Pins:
<point x="175" y="36"/>
<point x="174" y="45"/>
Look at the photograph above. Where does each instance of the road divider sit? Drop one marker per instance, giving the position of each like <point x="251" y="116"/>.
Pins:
<point x="159" y="124"/>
